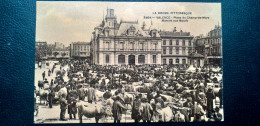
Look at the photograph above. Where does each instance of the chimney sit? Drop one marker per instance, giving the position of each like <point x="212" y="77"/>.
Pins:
<point x="143" y="25"/>
<point x="174" y="29"/>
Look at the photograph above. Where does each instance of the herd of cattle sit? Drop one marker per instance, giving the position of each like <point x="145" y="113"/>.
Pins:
<point x="173" y="91"/>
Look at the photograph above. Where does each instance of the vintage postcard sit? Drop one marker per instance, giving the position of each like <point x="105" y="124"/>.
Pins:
<point x="128" y="62"/>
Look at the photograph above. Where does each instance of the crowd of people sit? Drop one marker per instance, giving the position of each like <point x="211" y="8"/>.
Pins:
<point x="151" y="93"/>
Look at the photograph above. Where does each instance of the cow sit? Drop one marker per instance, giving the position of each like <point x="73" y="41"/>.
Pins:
<point x="91" y="111"/>
<point x="43" y="95"/>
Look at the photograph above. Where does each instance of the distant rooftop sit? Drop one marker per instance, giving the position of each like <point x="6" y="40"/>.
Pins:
<point x="171" y="34"/>
<point x="80" y="42"/>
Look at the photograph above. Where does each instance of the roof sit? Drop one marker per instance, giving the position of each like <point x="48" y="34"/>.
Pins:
<point x="80" y="42"/>
<point x="126" y="26"/>
<point x="60" y="50"/>
<point x="195" y="55"/>
<point x="175" y="34"/>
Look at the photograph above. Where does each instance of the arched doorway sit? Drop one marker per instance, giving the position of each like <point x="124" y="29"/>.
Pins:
<point x="170" y="61"/>
<point x="131" y="59"/>
<point x="121" y="59"/>
<point x="141" y="59"/>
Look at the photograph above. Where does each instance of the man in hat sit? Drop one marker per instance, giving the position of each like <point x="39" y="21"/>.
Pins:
<point x="63" y="107"/>
<point x="81" y="93"/>
<point x="50" y="98"/>
<point x="49" y="72"/>
<point x="43" y="75"/>
<point x="117" y="109"/>
<point x="107" y="94"/>
<point x="135" y="109"/>
<point x="220" y="94"/>
<point x="91" y="94"/>
<point x="52" y="82"/>
<point x="72" y="100"/>
<point x="210" y="97"/>
<point x="159" y="99"/>
<point x="146" y="111"/>
<point x="150" y="95"/>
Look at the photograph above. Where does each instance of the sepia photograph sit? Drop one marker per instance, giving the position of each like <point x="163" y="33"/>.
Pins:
<point x="128" y="62"/>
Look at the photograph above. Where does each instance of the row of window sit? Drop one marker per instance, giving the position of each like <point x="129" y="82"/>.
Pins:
<point x="121" y="59"/>
<point x="176" y="50"/>
<point x="213" y="51"/>
<point x="81" y="53"/>
<point x="177" y="42"/>
<point x="210" y="41"/>
<point x="131" y="46"/>
<point x="81" y="48"/>
<point x="177" y="61"/>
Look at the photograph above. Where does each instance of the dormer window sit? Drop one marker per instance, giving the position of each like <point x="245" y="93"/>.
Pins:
<point x="131" y="30"/>
<point x="154" y="34"/>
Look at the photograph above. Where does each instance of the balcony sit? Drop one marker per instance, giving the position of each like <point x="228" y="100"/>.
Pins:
<point x="105" y="49"/>
<point x="214" y="54"/>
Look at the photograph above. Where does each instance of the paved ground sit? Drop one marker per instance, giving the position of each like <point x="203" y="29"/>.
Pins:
<point x="51" y="115"/>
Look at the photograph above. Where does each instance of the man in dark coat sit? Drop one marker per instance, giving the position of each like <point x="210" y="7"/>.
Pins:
<point x="43" y="75"/>
<point x="220" y="97"/>
<point x="135" y="109"/>
<point x="49" y="72"/>
<point x="63" y="107"/>
<point x="91" y="94"/>
<point x="81" y="94"/>
<point x="158" y="99"/>
<point x="150" y="95"/>
<point x="146" y="111"/>
<point x="117" y="109"/>
<point x="107" y="94"/>
<point x="50" y="97"/>
<point x="210" y="97"/>
<point x="52" y="82"/>
<point x="72" y="108"/>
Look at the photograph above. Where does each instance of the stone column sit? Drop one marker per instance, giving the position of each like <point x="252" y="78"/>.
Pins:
<point x="147" y="58"/>
<point x="116" y="59"/>
<point x="126" y="59"/>
<point x="136" y="59"/>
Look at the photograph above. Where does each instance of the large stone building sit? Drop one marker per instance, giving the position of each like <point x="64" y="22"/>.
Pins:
<point x="80" y="50"/>
<point x="176" y="46"/>
<point x="125" y="42"/>
<point x="59" y="45"/>
<point x="211" y="46"/>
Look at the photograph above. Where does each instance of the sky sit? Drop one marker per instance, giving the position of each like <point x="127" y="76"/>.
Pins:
<point x="68" y="22"/>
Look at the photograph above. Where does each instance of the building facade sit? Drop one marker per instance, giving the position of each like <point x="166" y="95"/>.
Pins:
<point x="80" y="50"/>
<point x="125" y="43"/>
<point x="211" y="46"/>
<point x="176" y="47"/>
